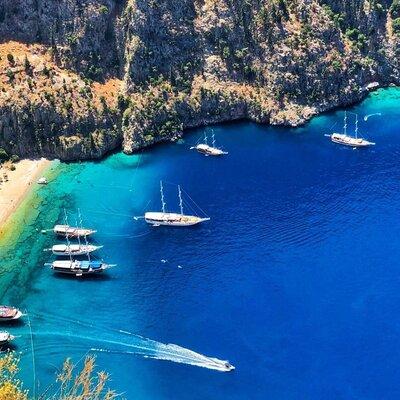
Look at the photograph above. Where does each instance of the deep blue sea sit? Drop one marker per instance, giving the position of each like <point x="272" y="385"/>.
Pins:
<point x="295" y="279"/>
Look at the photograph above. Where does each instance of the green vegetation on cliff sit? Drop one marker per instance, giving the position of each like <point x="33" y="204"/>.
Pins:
<point x="182" y="64"/>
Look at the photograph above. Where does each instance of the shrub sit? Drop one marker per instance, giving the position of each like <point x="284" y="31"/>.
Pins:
<point x="395" y="9"/>
<point x="396" y="26"/>
<point x="3" y="157"/>
<point x="27" y="64"/>
<point x="10" y="387"/>
<point x="10" y="59"/>
<point x="103" y="10"/>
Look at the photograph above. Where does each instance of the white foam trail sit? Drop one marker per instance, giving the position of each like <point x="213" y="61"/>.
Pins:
<point x="370" y="115"/>
<point x="142" y="346"/>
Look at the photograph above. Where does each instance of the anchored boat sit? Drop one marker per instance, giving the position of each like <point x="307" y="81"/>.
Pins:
<point x="73" y="249"/>
<point x="72" y="231"/>
<point x="208" y="150"/>
<point x="79" y="268"/>
<point x="5" y="338"/>
<point x="8" y="313"/>
<point x="172" y="219"/>
<point x="347" y="140"/>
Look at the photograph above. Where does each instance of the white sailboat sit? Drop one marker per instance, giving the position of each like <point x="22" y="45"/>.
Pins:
<point x="208" y="150"/>
<point x="72" y="231"/>
<point x="172" y="219"/>
<point x="347" y="140"/>
<point x="73" y="249"/>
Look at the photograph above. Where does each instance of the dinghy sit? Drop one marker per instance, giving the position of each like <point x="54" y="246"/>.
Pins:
<point x="42" y="181"/>
<point x="172" y="219"/>
<point x="9" y="313"/>
<point x="5" y="338"/>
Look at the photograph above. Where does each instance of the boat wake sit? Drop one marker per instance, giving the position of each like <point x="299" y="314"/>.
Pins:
<point x="123" y="342"/>
<point x="371" y="115"/>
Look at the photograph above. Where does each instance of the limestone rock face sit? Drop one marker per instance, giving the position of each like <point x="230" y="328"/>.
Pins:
<point x="180" y="64"/>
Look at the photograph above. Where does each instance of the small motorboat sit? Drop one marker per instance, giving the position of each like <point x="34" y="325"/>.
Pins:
<point x="72" y="231"/>
<point x="5" y="338"/>
<point x="73" y="249"/>
<point x="229" y="367"/>
<point x="79" y="268"/>
<point x="9" y="313"/>
<point x="42" y="181"/>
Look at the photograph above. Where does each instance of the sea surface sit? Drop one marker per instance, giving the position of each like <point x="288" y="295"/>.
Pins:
<point x="295" y="279"/>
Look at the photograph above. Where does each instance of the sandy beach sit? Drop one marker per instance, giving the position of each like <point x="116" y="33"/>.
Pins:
<point x="18" y="184"/>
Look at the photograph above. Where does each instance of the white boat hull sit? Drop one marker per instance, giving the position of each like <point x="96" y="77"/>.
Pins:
<point x="74" y="250"/>
<point x="350" y="141"/>
<point x="172" y="219"/>
<point x="5" y="338"/>
<point x="71" y="231"/>
<point x="209" y="150"/>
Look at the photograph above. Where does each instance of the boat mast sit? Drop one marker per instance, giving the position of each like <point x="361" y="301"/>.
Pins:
<point x="162" y="197"/>
<point x="86" y="241"/>
<point x="205" y="137"/>
<point x="213" y="139"/>
<point x="180" y="199"/>
<point x="79" y="237"/>
<point x="356" y="130"/>
<point x="345" y="123"/>
<point x="66" y="236"/>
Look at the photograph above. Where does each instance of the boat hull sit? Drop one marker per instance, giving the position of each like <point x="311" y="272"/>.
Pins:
<point x="75" y="251"/>
<point x="350" y="141"/>
<point x="5" y="338"/>
<point x="210" y="151"/>
<point x="72" y="232"/>
<point x="172" y="219"/>
<point x="79" y="268"/>
<point x="9" y="314"/>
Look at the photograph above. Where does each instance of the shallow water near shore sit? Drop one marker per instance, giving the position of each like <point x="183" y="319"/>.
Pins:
<point x="295" y="279"/>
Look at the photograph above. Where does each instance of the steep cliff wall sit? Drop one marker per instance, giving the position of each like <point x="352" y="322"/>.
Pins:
<point x="186" y="63"/>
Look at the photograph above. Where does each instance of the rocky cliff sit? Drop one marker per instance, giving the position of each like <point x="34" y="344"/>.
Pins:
<point x="79" y="78"/>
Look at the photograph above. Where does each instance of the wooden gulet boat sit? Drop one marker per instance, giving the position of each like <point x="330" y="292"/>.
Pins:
<point x="72" y="231"/>
<point x="73" y="249"/>
<point x="79" y="268"/>
<point x="347" y="140"/>
<point x="172" y="219"/>
<point x="208" y="150"/>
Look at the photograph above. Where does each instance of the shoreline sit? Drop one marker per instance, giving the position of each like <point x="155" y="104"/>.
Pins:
<point x="20" y="182"/>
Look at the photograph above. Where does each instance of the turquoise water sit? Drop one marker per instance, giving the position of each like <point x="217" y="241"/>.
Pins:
<point x="294" y="280"/>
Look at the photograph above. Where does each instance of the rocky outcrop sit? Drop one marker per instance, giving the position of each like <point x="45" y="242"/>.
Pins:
<point x="191" y="63"/>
